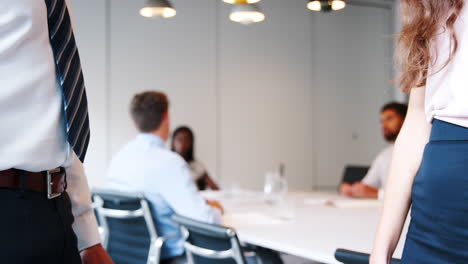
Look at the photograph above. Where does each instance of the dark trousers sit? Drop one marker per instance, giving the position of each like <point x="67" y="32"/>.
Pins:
<point x="176" y="260"/>
<point x="34" y="229"/>
<point x="267" y="256"/>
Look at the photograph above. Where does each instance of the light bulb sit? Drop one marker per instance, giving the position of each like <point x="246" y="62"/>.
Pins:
<point x="247" y="17"/>
<point x="246" y="14"/>
<point x="164" y="12"/>
<point x="314" y="5"/>
<point x="158" y="8"/>
<point x="338" y="4"/>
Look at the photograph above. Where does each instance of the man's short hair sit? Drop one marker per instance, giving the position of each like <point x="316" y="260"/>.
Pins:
<point x="400" y="109"/>
<point x="148" y="109"/>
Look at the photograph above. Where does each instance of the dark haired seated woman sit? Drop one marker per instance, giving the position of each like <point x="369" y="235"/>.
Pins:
<point x="183" y="143"/>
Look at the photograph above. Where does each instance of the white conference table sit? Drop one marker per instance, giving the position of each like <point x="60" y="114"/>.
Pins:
<point x="305" y="225"/>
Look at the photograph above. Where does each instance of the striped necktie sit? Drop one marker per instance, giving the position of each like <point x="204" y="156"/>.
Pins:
<point x="69" y="72"/>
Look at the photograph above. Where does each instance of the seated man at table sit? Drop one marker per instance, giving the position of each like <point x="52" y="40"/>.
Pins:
<point x="144" y="165"/>
<point x="392" y="117"/>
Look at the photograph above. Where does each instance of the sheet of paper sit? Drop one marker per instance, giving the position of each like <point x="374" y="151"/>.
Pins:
<point x="252" y="218"/>
<point x="355" y="203"/>
<point x="344" y="202"/>
<point x="315" y="201"/>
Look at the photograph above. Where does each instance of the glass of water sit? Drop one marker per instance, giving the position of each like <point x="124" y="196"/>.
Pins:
<point x="275" y="188"/>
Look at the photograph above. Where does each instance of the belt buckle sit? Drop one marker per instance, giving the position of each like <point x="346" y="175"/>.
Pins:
<point x="50" y="184"/>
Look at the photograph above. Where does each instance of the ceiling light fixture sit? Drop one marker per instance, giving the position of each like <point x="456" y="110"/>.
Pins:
<point x="158" y="8"/>
<point x="246" y="14"/>
<point x="326" y="5"/>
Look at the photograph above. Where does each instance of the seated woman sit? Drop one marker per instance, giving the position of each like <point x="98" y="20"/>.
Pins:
<point x="183" y="143"/>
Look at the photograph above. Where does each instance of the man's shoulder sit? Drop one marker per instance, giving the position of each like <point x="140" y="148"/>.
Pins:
<point x="385" y="154"/>
<point x="387" y="151"/>
<point x="136" y="152"/>
<point x="170" y="156"/>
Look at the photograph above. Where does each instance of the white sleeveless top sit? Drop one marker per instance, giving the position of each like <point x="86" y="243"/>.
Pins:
<point x="447" y="89"/>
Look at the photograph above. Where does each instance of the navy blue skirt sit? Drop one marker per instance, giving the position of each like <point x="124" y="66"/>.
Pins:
<point x="438" y="231"/>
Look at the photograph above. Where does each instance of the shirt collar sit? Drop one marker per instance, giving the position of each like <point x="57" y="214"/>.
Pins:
<point x="152" y="139"/>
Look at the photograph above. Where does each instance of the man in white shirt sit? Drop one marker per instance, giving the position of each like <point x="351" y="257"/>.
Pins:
<point x="392" y="117"/>
<point x="145" y="165"/>
<point x="44" y="195"/>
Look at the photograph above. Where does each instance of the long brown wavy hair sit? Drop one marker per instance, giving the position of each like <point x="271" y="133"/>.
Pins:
<point x="422" y="21"/>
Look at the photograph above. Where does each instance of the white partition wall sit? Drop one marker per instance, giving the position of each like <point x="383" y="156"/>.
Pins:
<point x="300" y="88"/>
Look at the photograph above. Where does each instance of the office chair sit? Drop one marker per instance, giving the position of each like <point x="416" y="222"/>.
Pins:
<point x="127" y="228"/>
<point x="354" y="174"/>
<point x="353" y="257"/>
<point x="212" y="244"/>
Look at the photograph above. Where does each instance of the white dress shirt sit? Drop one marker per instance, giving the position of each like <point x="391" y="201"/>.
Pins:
<point x="144" y="165"/>
<point x="33" y="137"/>
<point x="446" y="89"/>
<point x="378" y="172"/>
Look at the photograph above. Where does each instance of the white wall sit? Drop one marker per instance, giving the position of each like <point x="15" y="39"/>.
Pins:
<point x="265" y="95"/>
<point x="353" y="55"/>
<point x="300" y="88"/>
<point x="397" y="28"/>
<point x="90" y="25"/>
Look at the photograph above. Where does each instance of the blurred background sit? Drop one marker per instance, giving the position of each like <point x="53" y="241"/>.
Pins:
<point x="301" y="88"/>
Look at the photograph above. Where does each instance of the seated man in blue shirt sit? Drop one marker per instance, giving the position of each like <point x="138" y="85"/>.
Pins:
<point x="144" y="165"/>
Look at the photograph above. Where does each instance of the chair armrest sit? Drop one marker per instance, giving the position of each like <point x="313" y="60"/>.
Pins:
<point x="252" y="258"/>
<point x="250" y="254"/>
<point x="349" y="256"/>
<point x="164" y="238"/>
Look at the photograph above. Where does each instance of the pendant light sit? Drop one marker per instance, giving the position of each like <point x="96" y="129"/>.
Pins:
<point x="326" y="5"/>
<point x="338" y="5"/>
<point x="158" y="8"/>
<point x="246" y="14"/>
<point x="241" y="2"/>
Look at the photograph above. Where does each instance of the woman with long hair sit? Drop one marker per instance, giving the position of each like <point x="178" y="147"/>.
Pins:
<point x="429" y="171"/>
<point x="183" y="143"/>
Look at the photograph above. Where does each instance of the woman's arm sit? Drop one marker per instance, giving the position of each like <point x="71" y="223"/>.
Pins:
<point x="211" y="184"/>
<point x="406" y="160"/>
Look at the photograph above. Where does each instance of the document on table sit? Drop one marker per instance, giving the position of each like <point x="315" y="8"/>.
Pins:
<point x="355" y="203"/>
<point x="344" y="202"/>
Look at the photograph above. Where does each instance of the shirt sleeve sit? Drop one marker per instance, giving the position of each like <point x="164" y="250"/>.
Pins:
<point x="85" y="225"/>
<point x="373" y="176"/>
<point x="180" y="192"/>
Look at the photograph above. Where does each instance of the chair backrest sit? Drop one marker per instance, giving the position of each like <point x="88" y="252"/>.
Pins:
<point x="353" y="257"/>
<point x="354" y="174"/>
<point x="209" y="243"/>
<point x="127" y="227"/>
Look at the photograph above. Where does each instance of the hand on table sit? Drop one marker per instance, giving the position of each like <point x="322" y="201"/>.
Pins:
<point x="361" y="190"/>
<point x="95" y="255"/>
<point x="216" y="205"/>
<point x="346" y="189"/>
